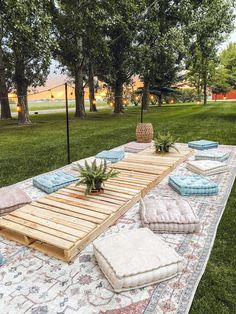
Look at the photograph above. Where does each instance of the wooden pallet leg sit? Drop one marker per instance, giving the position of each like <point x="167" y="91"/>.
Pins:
<point x="15" y="236"/>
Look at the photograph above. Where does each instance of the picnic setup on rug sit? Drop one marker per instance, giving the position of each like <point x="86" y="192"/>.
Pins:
<point x="132" y="213"/>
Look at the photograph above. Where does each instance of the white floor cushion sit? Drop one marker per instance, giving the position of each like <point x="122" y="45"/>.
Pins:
<point x="169" y="216"/>
<point x="212" y="154"/>
<point x="135" y="259"/>
<point x="207" y="167"/>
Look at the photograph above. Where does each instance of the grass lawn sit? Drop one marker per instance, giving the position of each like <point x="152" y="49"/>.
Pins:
<point x="56" y="104"/>
<point x="26" y="151"/>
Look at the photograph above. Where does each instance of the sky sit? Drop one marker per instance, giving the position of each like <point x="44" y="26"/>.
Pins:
<point x="56" y="78"/>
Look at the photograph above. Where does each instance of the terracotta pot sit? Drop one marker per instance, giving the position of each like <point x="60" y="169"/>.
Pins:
<point x="97" y="192"/>
<point x="144" y="132"/>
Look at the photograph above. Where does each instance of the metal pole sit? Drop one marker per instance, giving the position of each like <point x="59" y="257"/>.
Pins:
<point x="142" y="110"/>
<point x="67" y="125"/>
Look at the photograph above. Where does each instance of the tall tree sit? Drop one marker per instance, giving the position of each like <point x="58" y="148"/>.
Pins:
<point x="160" y="45"/>
<point x="5" y="71"/>
<point x="80" y="42"/>
<point x="28" y="40"/>
<point x="211" y="22"/>
<point x="120" y="33"/>
<point x="228" y="62"/>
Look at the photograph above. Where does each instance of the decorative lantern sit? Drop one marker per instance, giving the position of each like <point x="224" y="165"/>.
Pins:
<point x="144" y="132"/>
<point x="19" y="108"/>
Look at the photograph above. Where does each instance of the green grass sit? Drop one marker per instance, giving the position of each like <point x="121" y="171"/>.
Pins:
<point x="57" y="104"/>
<point x="26" y="151"/>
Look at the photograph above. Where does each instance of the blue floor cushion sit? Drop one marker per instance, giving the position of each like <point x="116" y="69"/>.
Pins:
<point x="193" y="185"/>
<point x="202" y="144"/>
<point x="212" y="154"/>
<point x="112" y="155"/>
<point x="2" y="260"/>
<point x="52" y="182"/>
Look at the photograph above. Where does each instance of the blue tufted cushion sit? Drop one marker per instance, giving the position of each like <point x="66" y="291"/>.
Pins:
<point x="2" y="260"/>
<point x="202" y="144"/>
<point x="216" y="155"/>
<point x="52" y="182"/>
<point x="193" y="185"/>
<point x="112" y="155"/>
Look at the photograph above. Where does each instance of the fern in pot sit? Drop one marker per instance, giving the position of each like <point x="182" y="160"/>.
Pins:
<point x="94" y="176"/>
<point x="163" y="142"/>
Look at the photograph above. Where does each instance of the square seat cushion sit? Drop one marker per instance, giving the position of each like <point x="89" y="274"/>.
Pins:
<point x="168" y="215"/>
<point x="89" y="160"/>
<point x="12" y="198"/>
<point x="2" y="260"/>
<point x="207" y="167"/>
<point x="52" y="182"/>
<point x="112" y="155"/>
<point x="193" y="185"/>
<point x="135" y="259"/>
<point x="212" y="154"/>
<point x="135" y="147"/>
<point x="202" y="144"/>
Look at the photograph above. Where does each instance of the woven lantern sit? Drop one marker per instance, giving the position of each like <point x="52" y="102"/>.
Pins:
<point x="144" y="132"/>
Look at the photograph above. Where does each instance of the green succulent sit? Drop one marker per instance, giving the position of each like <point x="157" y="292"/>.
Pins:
<point x="93" y="176"/>
<point x="163" y="142"/>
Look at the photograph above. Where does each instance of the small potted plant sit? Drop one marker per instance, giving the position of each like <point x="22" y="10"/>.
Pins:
<point x="163" y="142"/>
<point x="94" y="176"/>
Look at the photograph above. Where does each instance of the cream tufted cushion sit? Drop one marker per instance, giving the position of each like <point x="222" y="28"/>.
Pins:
<point x="135" y="259"/>
<point x="135" y="147"/>
<point x="168" y="215"/>
<point x="12" y="198"/>
<point x="207" y="167"/>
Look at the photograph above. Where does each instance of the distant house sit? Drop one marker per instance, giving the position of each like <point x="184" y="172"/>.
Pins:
<point x="224" y="96"/>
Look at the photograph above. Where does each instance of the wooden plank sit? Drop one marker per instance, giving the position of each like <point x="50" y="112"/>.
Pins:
<point x="117" y="189"/>
<point x="127" y="184"/>
<point x="136" y="167"/>
<point x="95" y="198"/>
<point x="36" y="226"/>
<point x="16" y="236"/>
<point x="36" y="234"/>
<point x="85" y="202"/>
<point x="142" y="165"/>
<point x="135" y="174"/>
<point x="68" y="221"/>
<point x="74" y="202"/>
<point x="75" y="211"/>
<point x="45" y="222"/>
<point x="113" y="194"/>
<point x="100" y="197"/>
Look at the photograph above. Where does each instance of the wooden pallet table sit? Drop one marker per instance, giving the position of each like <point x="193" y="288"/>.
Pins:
<point x="65" y="222"/>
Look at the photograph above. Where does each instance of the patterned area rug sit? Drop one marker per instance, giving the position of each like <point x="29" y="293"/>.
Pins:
<point x="33" y="283"/>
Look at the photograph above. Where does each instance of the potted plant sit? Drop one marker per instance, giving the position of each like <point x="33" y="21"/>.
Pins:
<point x="164" y="142"/>
<point x="94" y="176"/>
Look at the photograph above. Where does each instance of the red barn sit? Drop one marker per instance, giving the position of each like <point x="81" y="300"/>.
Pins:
<point x="224" y="96"/>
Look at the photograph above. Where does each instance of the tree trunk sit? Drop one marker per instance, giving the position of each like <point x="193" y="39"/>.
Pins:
<point x="92" y="99"/>
<point x="118" y="107"/>
<point x="23" y="113"/>
<point x="205" y="90"/>
<point x="79" y="94"/>
<point x="5" y="106"/>
<point x="159" y="100"/>
<point x="145" y="98"/>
